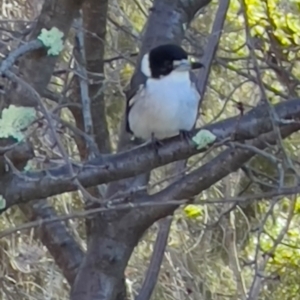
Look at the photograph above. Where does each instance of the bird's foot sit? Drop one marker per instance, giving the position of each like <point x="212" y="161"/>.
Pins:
<point x="156" y="143"/>
<point x="186" y="135"/>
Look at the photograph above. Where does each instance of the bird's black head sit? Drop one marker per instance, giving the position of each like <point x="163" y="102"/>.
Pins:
<point x="164" y="59"/>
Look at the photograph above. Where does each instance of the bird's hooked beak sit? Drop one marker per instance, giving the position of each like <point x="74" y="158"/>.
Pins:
<point x="186" y="65"/>
<point x="196" y="65"/>
<point x="182" y="65"/>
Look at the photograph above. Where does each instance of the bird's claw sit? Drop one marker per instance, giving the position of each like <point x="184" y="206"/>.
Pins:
<point x="186" y="135"/>
<point x="156" y="143"/>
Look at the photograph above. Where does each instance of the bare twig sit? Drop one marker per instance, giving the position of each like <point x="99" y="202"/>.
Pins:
<point x="112" y="59"/>
<point x="84" y="214"/>
<point x="260" y="82"/>
<point x="84" y="90"/>
<point x="88" y="212"/>
<point x="71" y="174"/>
<point x="165" y="224"/>
<point x="58" y="238"/>
<point x="250" y="78"/>
<point x="140" y="159"/>
<point x="14" y="55"/>
<point x="212" y="45"/>
<point x="156" y="259"/>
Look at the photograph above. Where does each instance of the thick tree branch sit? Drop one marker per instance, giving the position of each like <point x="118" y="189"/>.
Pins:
<point x="56" y="237"/>
<point x="156" y="259"/>
<point x="94" y="38"/>
<point x="165" y="24"/>
<point x="13" y="56"/>
<point x="201" y="179"/>
<point x="17" y="155"/>
<point x="41" y="184"/>
<point x="165" y="224"/>
<point x="106" y="279"/>
<point x="91" y="118"/>
<point x="285" y="191"/>
<point x="36" y="69"/>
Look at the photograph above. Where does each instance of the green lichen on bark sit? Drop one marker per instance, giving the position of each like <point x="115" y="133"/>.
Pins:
<point x="14" y="121"/>
<point x="2" y="202"/>
<point x="52" y="39"/>
<point x="203" y="138"/>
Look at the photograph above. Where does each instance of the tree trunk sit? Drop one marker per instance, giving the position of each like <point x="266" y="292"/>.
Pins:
<point x="112" y="240"/>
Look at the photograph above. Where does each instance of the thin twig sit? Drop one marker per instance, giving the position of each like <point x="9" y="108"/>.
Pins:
<point x="212" y="46"/>
<point x="86" y="213"/>
<point x="17" y="53"/>
<point x="156" y="259"/>
<point x="92" y="148"/>
<point x="36" y="97"/>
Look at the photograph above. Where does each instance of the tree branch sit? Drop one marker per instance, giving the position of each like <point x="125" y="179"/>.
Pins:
<point x="40" y="184"/>
<point x="165" y="224"/>
<point x="56" y="13"/>
<point x="156" y="259"/>
<point x="36" y="69"/>
<point x="106" y="280"/>
<point x="94" y="46"/>
<point x="212" y="45"/>
<point x="199" y="180"/>
<point x="55" y="236"/>
<point x="8" y="62"/>
<point x="87" y="87"/>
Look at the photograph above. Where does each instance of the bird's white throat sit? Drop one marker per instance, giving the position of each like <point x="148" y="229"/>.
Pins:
<point x="175" y="77"/>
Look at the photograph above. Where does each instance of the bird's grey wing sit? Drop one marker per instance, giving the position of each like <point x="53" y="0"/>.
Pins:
<point x="194" y="77"/>
<point x="133" y="96"/>
<point x="194" y="80"/>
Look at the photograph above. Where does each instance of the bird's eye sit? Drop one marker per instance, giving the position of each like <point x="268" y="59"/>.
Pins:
<point x="168" y="65"/>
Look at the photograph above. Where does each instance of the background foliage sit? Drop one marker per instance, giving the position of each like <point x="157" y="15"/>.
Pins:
<point x="215" y="251"/>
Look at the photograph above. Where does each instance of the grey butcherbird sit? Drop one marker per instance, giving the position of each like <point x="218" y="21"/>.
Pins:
<point x="167" y="103"/>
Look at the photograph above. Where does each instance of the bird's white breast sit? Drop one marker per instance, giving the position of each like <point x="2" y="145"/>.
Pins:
<point x="164" y="107"/>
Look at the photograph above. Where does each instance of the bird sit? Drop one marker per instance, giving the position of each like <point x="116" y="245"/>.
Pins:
<point x="166" y="104"/>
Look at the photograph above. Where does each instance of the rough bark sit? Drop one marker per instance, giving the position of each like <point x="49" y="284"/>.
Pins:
<point x="55" y="236"/>
<point x="104" y="267"/>
<point x="94" y="21"/>
<point x="92" y="60"/>
<point x="156" y="259"/>
<point x="111" y="167"/>
<point x="36" y="68"/>
<point x="113" y="235"/>
<point x="178" y="168"/>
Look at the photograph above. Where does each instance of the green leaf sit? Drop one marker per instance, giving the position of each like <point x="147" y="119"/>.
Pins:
<point x="193" y="211"/>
